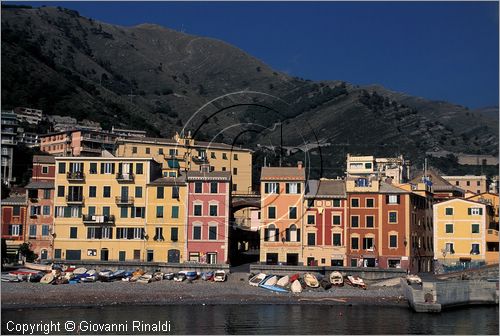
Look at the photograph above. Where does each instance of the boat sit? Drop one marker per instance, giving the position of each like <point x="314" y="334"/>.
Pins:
<point x="60" y="281"/>
<point x="38" y="267"/>
<point x="311" y="280"/>
<point x="274" y="288"/>
<point x="220" y="276"/>
<point x="283" y="281"/>
<point x="168" y="276"/>
<point x="356" y="281"/>
<point x="256" y="280"/>
<point x="413" y="279"/>
<point x="104" y="275"/>
<point x="47" y="278"/>
<point x="36" y="277"/>
<point x="116" y="275"/>
<point x="296" y="287"/>
<point x="294" y="277"/>
<point x="80" y="270"/>
<point x="138" y="272"/>
<point x="145" y="278"/>
<point x="9" y="278"/>
<point x="191" y="275"/>
<point x="336" y="278"/>
<point x="90" y="278"/>
<point x="270" y="281"/>
<point x="207" y="276"/>
<point x="179" y="277"/>
<point x="325" y="284"/>
<point x="157" y="276"/>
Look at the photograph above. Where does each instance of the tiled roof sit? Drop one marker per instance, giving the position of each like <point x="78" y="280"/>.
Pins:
<point x="14" y="200"/>
<point x="215" y="175"/>
<point x="438" y="183"/>
<point x="326" y="189"/>
<point x="169" y="181"/>
<point x="43" y="159"/>
<point x="283" y="173"/>
<point x="40" y="185"/>
<point x="391" y="189"/>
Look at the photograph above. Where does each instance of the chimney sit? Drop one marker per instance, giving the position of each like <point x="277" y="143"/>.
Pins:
<point x="299" y="164"/>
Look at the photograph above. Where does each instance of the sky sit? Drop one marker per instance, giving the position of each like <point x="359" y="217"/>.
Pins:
<point x="436" y="50"/>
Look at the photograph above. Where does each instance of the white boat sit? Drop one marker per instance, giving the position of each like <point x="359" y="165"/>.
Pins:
<point x="80" y="270"/>
<point x="145" y="278"/>
<point x="336" y="278"/>
<point x="296" y="287"/>
<point x="220" y="276"/>
<point x="311" y="280"/>
<point x="38" y="267"/>
<point x="47" y="278"/>
<point x="283" y="281"/>
<point x="271" y="281"/>
<point x="356" y="281"/>
<point x="90" y="278"/>
<point x="256" y="280"/>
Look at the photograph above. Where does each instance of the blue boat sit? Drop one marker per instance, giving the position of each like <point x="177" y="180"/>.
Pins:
<point x="191" y="275"/>
<point x="269" y="283"/>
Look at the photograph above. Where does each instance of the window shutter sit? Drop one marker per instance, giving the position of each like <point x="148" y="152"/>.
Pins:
<point x="277" y="234"/>
<point x="298" y="188"/>
<point x="20" y="230"/>
<point x="98" y="233"/>
<point x="132" y="212"/>
<point x="130" y="233"/>
<point x="102" y="168"/>
<point x="112" y="168"/>
<point x="266" y="234"/>
<point x="266" y="188"/>
<point x="287" y="188"/>
<point x="287" y="235"/>
<point x="88" y="233"/>
<point x="387" y="199"/>
<point x="469" y="211"/>
<point x="120" y="168"/>
<point x="481" y="211"/>
<point x="398" y="199"/>
<point x="298" y="235"/>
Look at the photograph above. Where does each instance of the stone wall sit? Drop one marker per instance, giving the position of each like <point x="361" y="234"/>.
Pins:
<point x="148" y="266"/>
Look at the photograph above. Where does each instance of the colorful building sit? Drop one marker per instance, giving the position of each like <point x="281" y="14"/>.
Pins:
<point x="282" y="213"/>
<point x="474" y="184"/>
<point x="100" y="207"/>
<point x="40" y="196"/>
<point x="442" y="189"/>
<point x="461" y="232"/>
<point x="14" y="212"/>
<point x="208" y="214"/>
<point x="77" y="142"/>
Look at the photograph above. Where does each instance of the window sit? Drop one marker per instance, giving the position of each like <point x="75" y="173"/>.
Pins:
<point x="336" y="203"/>
<point x="393" y="241"/>
<point x="311" y="219"/>
<point x="311" y="239"/>
<point x="160" y="192"/>
<point x="235" y="171"/>
<point x="60" y="191"/>
<point x="475" y="211"/>
<point x="91" y="210"/>
<point x="174" y="234"/>
<point x="159" y="211"/>
<point x="139" y="168"/>
<point x="138" y="233"/>
<point x="271" y="188"/>
<point x="475" y="228"/>
<point x="62" y="168"/>
<point x="57" y="254"/>
<point x="93" y="168"/>
<point x="107" y="168"/>
<point x="370" y="202"/>
<point x="138" y="192"/>
<point x="46" y="210"/>
<point x="45" y="170"/>
<point x="106" y="192"/>
<point x="355" y="202"/>
<point x="137" y="254"/>
<point x="134" y="150"/>
<point x="45" y="230"/>
<point x="271" y="212"/>
<point x="449" y="211"/>
<point x="292" y="212"/>
<point x="46" y="194"/>
<point x="213" y="187"/>
<point x="478" y="183"/>
<point x="392" y="199"/>
<point x="175" y="192"/>
<point x="393" y="217"/>
<point x="172" y="152"/>
<point x="337" y="239"/>
<point x="449" y="248"/>
<point x="15" y="230"/>
<point x="235" y="156"/>
<point x="212" y="155"/>
<point x="16" y="211"/>
<point x="123" y="212"/>
<point x="292" y="188"/>
<point x="196" y="232"/>
<point x="475" y="249"/>
<point x="368" y="243"/>
<point x="271" y="233"/>
<point x="73" y="232"/>
<point x="354" y="243"/>
<point x="224" y="156"/>
<point x="198" y="187"/>
<point x="197" y="209"/>
<point x="34" y="210"/>
<point x="175" y="211"/>
<point x="32" y="231"/>
<point x="138" y="212"/>
<point x="223" y="168"/>
<point x="449" y="228"/>
<point x="158" y="234"/>
<point x="92" y="191"/>
<point x="106" y="211"/>
<point x="212" y="232"/>
<point x="293" y="234"/>
<point x="457" y="183"/>
<point x="235" y="187"/>
<point x="468" y="183"/>
<point x="354" y="221"/>
<point x="148" y="150"/>
<point x="336" y="220"/>
<point x="370" y="220"/>
<point x="213" y="209"/>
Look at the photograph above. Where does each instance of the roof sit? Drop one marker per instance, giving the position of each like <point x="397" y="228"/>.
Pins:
<point x="465" y="177"/>
<point x="391" y="189"/>
<point x="44" y="159"/>
<point x="40" y="185"/>
<point x="169" y="181"/>
<point x="325" y="189"/>
<point x="460" y="199"/>
<point x="283" y="173"/>
<point x="438" y="182"/>
<point x="215" y="175"/>
<point x="14" y="200"/>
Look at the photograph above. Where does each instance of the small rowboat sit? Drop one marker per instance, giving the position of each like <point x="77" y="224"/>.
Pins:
<point x="283" y="281"/>
<point x="207" y="276"/>
<point x="179" y="277"/>
<point x="168" y="276"/>
<point x="294" y="277"/>
<point x="191" y="275"/>
<point x="356" y="281"/>
<point x="157" y="276"/>
<point x="256" y="280"/>
<point x="80" y="270"/>
<point x="325" y="284"/>
<point x="296" y="287"/>
<point x="47" y="278"/>
<point x="311" y="280"/>
<point x="220" y="276"/>
<point x="336" y="278"/>
<point x="270" y="281"/>
<point x="38" y="267"/>
<point x="145" y="278"/>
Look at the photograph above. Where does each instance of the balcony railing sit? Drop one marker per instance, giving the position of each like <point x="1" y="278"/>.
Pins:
<point x="75" y="176"/>
<point x="70" y="199"/>
<point x="121" y="200"/>
<point x="98" y="219"/>
<point x="493" y="232"/>
<point x="120" y="177"/>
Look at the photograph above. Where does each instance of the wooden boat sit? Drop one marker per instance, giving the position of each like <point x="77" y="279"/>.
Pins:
<point x="138" y="272"/>
<point x="311" y="280"/>
<point x="296" y="287"/>
<point x="47" y="278"/>
<point x="294" y="277"/>
<point x="336" y="278"/>
<point x="191" y="275"/>
<point x="270" y="281"/>
<point x="257" y="279"/>
<point x="179" y="277"/>
<point x="356" y="281"/>
<point x="145" y="278"/>
<point x="168" y="276"/>
<point x="283" y="281"/>
<point x="220" y="276"/>
<point x="207" y="276"/>
<point x="38" y="267"/>
<point x="80" y="270"/>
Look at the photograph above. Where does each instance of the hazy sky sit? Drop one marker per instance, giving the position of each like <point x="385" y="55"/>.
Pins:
<point x="437" y="50"/>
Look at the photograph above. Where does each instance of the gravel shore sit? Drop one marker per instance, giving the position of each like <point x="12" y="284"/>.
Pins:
<point x="234" y="291"/>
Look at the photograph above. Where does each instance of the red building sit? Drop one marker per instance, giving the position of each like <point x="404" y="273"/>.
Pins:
<point x="13" y="222"/>
<point x="40" y="192"/>
<point x="208" y="216"/>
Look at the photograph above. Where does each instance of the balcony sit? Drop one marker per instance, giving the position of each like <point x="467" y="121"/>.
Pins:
<point x="75" y="199"/>
<point x="200" y="159"/>
<point x="98" y="219"/>
<point x="126" y="178"/>
<point x="75" y="176"/>
<point x="91" y="150"/>
<point x="121" y="200"/>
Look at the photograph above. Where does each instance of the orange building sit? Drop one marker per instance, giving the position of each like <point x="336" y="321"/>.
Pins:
<point x="77" y="142"/>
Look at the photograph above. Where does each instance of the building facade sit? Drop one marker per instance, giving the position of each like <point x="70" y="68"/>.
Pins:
<point x="474" y="184"/>
<point x="77" y="142"/>
<point x="14" y="212"/>
<point x="9" y="141"/>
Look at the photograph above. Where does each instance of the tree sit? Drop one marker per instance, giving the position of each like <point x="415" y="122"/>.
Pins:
<point x="26" y="252"/>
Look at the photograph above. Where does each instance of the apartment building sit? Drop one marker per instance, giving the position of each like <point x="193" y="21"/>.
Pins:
<point x="9" y="141"/>
<point x="77" y="142"/>
<point x="14" y="212"/>
<point x="398" y="169"/>
<point x="471" y="183"/>
<point x="29" y="115"/>
<point x="100" y="207"/>
<point x="282" y="212"/>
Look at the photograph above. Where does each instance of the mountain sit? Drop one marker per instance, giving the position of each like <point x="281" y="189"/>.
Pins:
<point x="155" y="78"/>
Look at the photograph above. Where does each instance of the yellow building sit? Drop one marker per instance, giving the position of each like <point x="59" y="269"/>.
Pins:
<point x="100" y="207"/>
<point x="460" y="232"/>
<point x="166" y="220"/>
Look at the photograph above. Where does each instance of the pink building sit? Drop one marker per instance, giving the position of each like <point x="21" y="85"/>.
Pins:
<point x="208" y="217"/>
